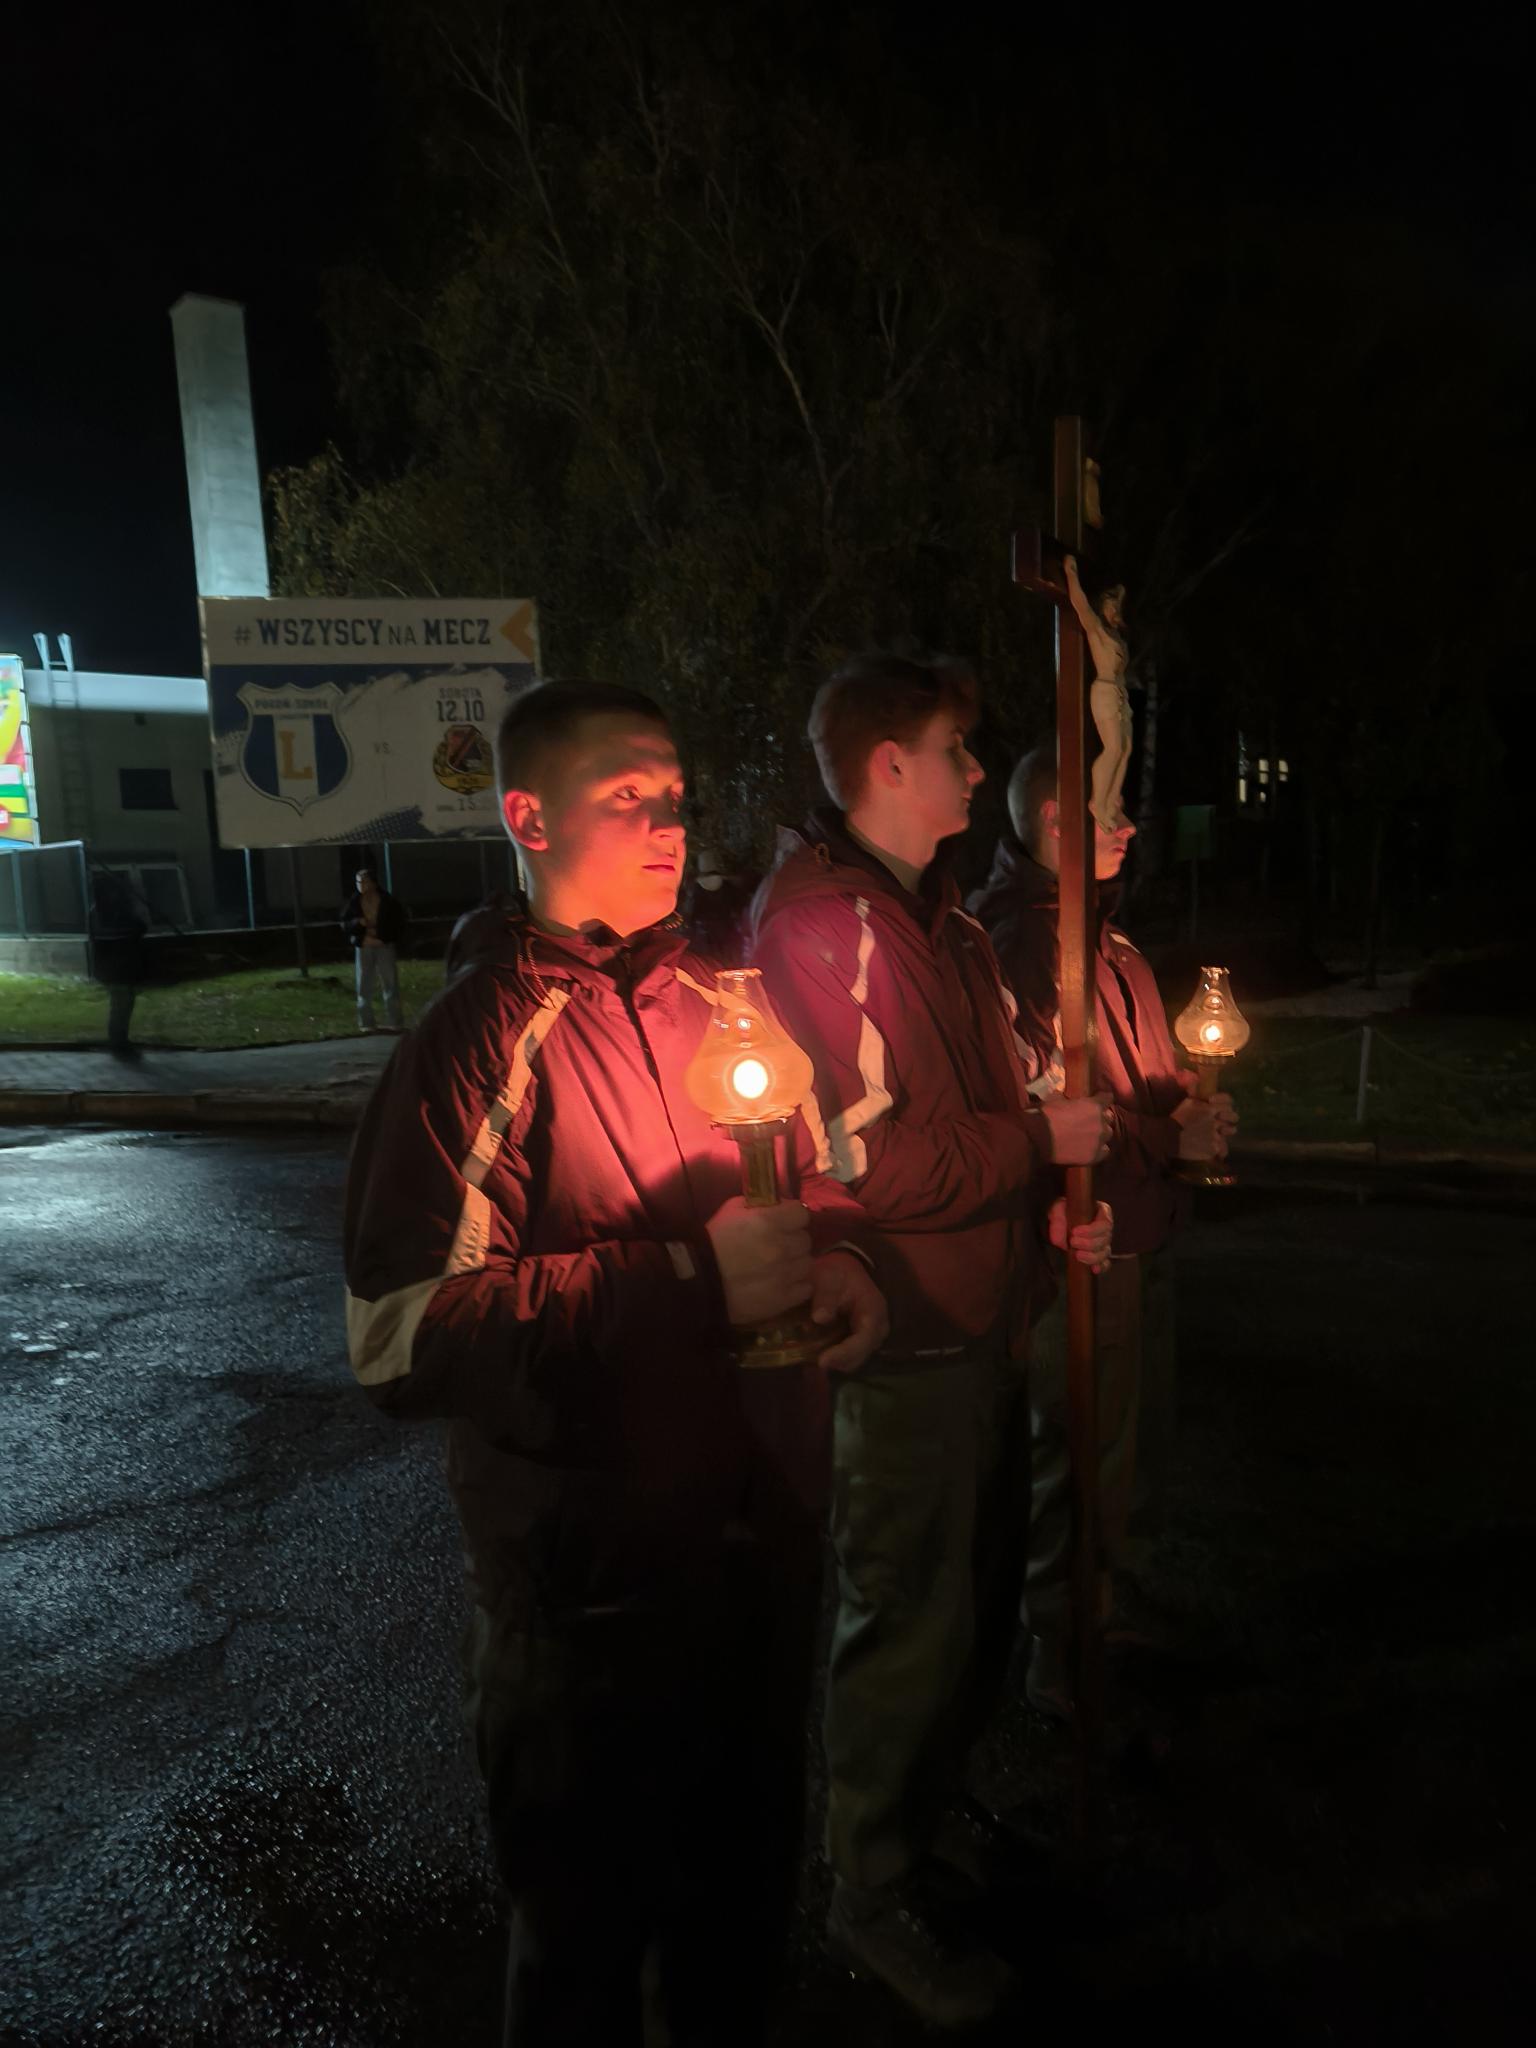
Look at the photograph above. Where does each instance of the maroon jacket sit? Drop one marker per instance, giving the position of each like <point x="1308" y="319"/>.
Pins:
<point x="526" y="1255"/>
<point x="1135" y="1059"/>
<point x="919" y="1087"/>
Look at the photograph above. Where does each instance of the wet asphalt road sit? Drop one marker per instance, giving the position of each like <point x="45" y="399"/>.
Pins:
<point x="240" y="1810"/>
<point x="237" y="1806"/>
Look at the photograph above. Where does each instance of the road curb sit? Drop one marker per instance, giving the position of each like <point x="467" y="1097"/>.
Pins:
<point x="271" y="1109"/>
<point x="122" y="1105"/>
<point x="1310" y="1151"/>
<point x="224" y="1108"/>
<point x="1385" y="1155"/>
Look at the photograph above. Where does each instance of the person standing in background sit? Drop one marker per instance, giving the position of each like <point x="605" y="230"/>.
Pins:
<point x="374" y="922"/>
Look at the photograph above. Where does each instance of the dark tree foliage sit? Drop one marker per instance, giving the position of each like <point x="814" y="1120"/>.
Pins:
<point x="731" y="381"/>
<point x="734" y="335"/>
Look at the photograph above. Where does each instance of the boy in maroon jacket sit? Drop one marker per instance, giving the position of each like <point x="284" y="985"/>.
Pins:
<point x="895" y="994"/>
<point x="546" y="1245"/>
<point x="1155" y="1121"/>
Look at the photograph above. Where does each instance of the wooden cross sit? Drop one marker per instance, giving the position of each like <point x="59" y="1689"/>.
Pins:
<point x="1037" y="565"/>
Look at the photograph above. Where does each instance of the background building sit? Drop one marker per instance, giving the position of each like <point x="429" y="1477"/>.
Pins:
<point x="124" y="781"/>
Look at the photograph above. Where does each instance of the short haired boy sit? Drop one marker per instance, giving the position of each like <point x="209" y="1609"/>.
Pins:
<point x="545" y="1244"/>
<point x="374" y="922"/>
<point x="894" y="992"/>
<point x="1155" y="1121"/>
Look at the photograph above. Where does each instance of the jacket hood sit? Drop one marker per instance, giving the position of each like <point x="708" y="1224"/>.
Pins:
<point x="823" y="858"/>
<point x="1018" y="883"/>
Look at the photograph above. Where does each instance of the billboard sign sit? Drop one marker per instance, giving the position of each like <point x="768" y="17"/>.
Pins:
<point x="350" y="719"/>
<point x="18" y="789"/>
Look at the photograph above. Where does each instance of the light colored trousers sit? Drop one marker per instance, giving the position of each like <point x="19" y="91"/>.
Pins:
<point x="1134" y="1356"/>
<point x="377" y="964"/>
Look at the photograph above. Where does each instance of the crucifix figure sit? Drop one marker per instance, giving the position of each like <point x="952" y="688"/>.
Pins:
<point x="1109" y="699"/>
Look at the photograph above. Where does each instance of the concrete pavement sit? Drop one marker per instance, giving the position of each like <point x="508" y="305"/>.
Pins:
<point x="328" y="1082"/>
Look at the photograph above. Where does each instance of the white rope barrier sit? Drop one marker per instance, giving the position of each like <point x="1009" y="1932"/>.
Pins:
<point x="1479" y="1076"/>
<point x="1293" y="1052"/>
<point x="1371" y="1036"/>
<point x="1458" y="1073"/>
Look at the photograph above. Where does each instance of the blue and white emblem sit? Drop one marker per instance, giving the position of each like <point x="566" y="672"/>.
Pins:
<point x="293" y="748"/>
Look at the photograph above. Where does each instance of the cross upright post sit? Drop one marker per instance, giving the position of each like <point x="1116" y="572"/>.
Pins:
<point x="1076" y="939"/>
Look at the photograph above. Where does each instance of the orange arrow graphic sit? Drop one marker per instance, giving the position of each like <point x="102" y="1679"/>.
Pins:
<point x="519" y="628"/>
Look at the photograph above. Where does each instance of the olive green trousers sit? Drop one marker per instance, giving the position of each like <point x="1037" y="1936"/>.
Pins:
<point x="1135" y="1381"/>
<point x="930" y="1514"/>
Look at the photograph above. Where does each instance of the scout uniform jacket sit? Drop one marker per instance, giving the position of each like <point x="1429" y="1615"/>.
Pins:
<point x="526" y="1255"/>
<point x="919" y="1087"/>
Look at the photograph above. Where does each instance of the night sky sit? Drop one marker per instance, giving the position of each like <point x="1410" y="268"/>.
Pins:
<point x="246" y="153"/>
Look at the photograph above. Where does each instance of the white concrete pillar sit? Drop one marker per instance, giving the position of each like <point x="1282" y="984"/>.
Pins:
<point x="219" y="436"/>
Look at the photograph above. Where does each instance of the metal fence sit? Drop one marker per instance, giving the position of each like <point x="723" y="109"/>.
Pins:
<point x="44" y="892"/>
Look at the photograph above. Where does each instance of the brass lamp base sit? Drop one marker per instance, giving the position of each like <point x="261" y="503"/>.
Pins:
<point x="783" y="1340"/>
<point x="780" y="1340"/>
<point x="1206" y="1173"/>
<point x="758" y="1144"/>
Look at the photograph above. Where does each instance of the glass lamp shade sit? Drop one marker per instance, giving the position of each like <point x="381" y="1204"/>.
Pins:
<point x="1211" y="1026"/>
<point x="747" y="1070"/>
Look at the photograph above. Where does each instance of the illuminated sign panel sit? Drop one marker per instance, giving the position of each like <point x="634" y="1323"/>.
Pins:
<point x="18" y="790"/>
<point x="350" y="719"/>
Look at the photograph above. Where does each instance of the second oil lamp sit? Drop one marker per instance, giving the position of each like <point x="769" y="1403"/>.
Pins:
<point x="1212" y="1030"/>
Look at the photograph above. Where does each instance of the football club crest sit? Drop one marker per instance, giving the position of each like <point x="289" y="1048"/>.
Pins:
<point x="293" y="748"/>
<point x="462" y="760"/>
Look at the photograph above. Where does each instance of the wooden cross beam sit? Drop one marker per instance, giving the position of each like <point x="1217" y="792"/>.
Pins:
<point x="1037" y="566"/>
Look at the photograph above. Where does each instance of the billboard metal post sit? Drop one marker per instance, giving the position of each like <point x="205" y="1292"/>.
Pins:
<point x="298" y="908"/>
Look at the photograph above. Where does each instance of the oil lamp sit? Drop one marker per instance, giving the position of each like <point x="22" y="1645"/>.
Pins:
<point x="749" y="1077"/>
<point x="1211" y="1029"/>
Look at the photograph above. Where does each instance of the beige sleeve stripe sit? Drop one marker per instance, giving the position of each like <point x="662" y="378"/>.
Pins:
<point x="850" y="1160"/>
<point x="380" y="1334"/>
<point x="509" y="1100"/>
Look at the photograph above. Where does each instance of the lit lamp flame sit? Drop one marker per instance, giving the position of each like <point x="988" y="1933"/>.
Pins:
<point x="749" y="1077"/>
<point x="1211" y="1029"/>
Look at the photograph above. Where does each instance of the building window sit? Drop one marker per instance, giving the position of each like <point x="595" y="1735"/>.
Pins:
<point x="145" y="789"/>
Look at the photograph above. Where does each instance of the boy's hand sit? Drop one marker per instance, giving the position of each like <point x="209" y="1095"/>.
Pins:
<point x="1079" y="1129"/>
<point x="842" y="1288"/>
<point x="1205" y="1128"/>
<point x="764" y="1256"/>
<point x="1090" y="1241"/>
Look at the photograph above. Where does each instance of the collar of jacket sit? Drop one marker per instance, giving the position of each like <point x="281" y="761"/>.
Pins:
<point x="824" y="857"/>
<point x="1019" y="882"/>
<point x="597" y="959"/>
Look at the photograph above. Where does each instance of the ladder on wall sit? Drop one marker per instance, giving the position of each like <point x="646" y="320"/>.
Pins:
<point x="76" y="798"/>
